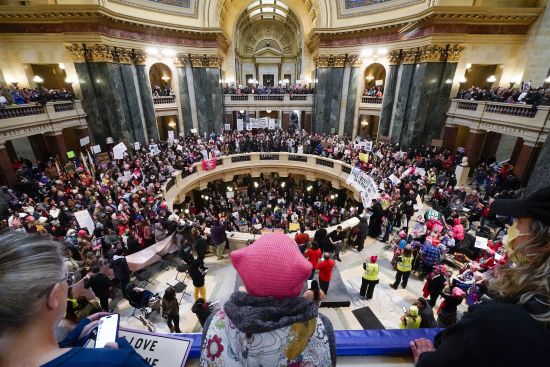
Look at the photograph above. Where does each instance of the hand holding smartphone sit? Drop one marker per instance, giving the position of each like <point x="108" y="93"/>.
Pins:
<point x="107" y="331"/>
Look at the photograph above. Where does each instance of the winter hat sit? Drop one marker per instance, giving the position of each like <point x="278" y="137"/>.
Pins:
<point x="273" y="266"/>
<point x="413" y="311"/>
<point x="457" y="292"/>
<point x="373" y="259"/>
<point x="82" y="233"/>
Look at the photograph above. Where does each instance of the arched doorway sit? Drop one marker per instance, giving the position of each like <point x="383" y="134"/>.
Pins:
<point x="160" y="77"/>
<point x="375" y="77"/>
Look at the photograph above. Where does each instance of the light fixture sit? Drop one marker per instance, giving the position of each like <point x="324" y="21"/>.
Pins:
<point x="69" y="81"/>
<point x="316" y="80"/>
<point x="165" y="78"/>
<point x="61" y="66"/>
<point x="369" y="78"/>
<point x="172" y="124"/>
<point x="296" y="111"/>
<point x="448" y="81"/>
<point x="286" y="81"/>
<point x="186" y="211"/>
<point x="37" y="79"/>
<point x="205" y="197"/>
<point x="492" y="79"/>
<point x="229" y="189"/>
<point x="462" y="80"/>
<point x="382" y="51"/>
<point x="283" y="184"/>
<point x="468" y="66"/>
<point x="268" y="111"/>
<point x="98" y="81"/>
<point x="256" y="184"/>
<point x="202" y="196"/>
<point x="241" y="111"/>
<point x="152" y="51"/>
<point x="168" y="52"/>
<point x="366" y="52"/>
<point x="547" y="80"/>
<point x="336" y="195"/>
<point x="309" y="188"/>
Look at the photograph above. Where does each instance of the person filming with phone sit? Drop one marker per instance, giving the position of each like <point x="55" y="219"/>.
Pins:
<point x="33" y="296"/>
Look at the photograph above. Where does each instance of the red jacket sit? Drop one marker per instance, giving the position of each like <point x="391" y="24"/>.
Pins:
<point x="313" y="256"/>
<point x="325" y="270"/>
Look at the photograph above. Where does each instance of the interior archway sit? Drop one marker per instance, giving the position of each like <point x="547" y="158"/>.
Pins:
<point x="160" y="76"/>
<point x="374" y="77"/>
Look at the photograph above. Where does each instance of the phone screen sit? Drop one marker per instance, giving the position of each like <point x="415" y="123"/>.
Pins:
<point x="107" y="330"/>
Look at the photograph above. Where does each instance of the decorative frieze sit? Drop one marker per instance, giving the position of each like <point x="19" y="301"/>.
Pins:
<point x="100" y="53"/>
<point x="410" y="56"/>
<point x="454" y="52"/>
<point x="329" y="61"/>
<point x="139" y="57"/>
<point x="181" y="61"/>
<point x="77" y="51"/>
<point x="122" y="55"/>
<point x="394" y="57"/>
<point x="432" y="53"/>
<point x="429" y="53"/>
<point x="206" y="61"/>
<point x="355" y="61"/>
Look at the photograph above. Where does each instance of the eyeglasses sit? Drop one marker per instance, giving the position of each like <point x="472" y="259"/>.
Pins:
<point x="49" y="289"/>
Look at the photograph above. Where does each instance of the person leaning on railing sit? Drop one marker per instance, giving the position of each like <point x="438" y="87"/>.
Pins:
<point x="513" y="329"/>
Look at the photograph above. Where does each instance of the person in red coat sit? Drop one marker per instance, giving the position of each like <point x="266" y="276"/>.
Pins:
<point x="325" y="271"/>
<point x="313" y="255"/>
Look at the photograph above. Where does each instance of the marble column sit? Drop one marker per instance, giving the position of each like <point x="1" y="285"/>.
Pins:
<point x="389" y="95"/>
<point x="39" y="146"/>
<point x="208" y="98"/>
<point x="184" y="96"/>
<point x="147" y="105"/>
<point x="402" y="101"/>
<point x="307" y="122"/>
<point x="351" y="102"/>
<point x="285" y="120"/>
<point x="7" y="173"/>
<point x="491" y="145"/>
<point x="449" y="138"/>
<point x="526" y="160"/>
<point x="344" y="99"/>
<point x="328" y="92"/>
<point x="540" y="176"/>
<point x="516" y="150"/>
<point x="474" y="146"/>
<point x="56" y="145"/>
<point x="229" y="119"/>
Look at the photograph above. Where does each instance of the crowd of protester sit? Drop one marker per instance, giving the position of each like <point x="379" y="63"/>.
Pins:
<point x="526" y="95"/>
<point x="260" y="89"/>
<point x="163" y="91"/>
<point x="376" y="91"/>
<point x="17" y="96"/>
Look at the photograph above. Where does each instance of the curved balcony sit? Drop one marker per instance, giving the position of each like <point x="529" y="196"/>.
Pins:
<point x="236" y="102"/>
<point x="523" y="121"/>
<point x="25" y="120"/>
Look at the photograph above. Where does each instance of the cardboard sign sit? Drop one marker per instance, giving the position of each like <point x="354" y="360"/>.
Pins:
<point x="363" y="157"/>
<point x="379" y="154"/>
<point x="109" y="140"/>
<point x="179" y="148"/>
<point x="137" y="145"/>
<point x="70" y="154"/>
<point x="171" y="135"/>
<point x="368" y="146"/>
<point x="158" y="350"/>
<point x="85" y="220"/>
<point x="393" y="178"/>
<point x="294" y="227"/>
<point x="193" y="131"/>
<point x="481" y="243"/>
<point x="96" y="149"/>
<point x="103" y="158"/>
<point x="84" y="141"/>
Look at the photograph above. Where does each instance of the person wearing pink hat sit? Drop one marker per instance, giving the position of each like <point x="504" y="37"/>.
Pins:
<point x="371" y="277"/>
<point x="448" y="308"/>
<point x="269" y="324"/>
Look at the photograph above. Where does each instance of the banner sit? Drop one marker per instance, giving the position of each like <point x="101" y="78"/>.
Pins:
<point x="240" y="125"/>
<point x="253" y="123"/>
<point x="363" y="183"/>
<point x="271" y="124"/>
<point x="263" y="123"/>
<point x="209" y="164"/>
<point x="171" y="136"/>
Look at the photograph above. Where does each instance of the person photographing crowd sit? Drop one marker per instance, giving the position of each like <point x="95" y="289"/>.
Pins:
<point x="34" y="299"/>
<point x="513" y="328"/>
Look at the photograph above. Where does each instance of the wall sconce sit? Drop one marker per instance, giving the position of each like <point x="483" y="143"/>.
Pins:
<point x="241" y="111"/>
<point x="252" y="81"/>
<point x="369" y="78"/>
<point x="462" y="80"/>
<point x="165" y="78"/>
<point x="491" y="79"/>
<point x="256" y="184"/>
<point x="37" y="79"/>
<point x="268" y="111"/>
<point x="61" y="66"/>
<point x="364" y="123"/>
<point x="448" y="81"/>
<point x="283" y="184"/>
<point x="468" y="66"/>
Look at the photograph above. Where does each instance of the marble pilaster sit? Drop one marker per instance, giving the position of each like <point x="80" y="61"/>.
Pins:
<point x="147" y="103"/>
<point x="388" y="101"/>
<point x="401" y="109"/>
<point x="184" y="99"/>
<point x="351" y="100"/>
<point x="327" y="99"/>
<point x="208" y="99"/>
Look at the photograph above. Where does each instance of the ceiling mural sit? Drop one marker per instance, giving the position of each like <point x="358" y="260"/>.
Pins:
<point x="187" y="8"/>
<point x="354" y="8"/>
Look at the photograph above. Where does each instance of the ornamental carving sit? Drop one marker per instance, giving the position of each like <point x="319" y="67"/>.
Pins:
<point x="78" y="52"/>
<point x="206" y="61"/>
<point x="100" y="53"/>
<point x="394" y="57"/>
<point x="432" y="53"/>
<point x="410" y="56"/>
<point x="257" y="34"/>
<point x="122" y="55"/>
<point x="322" y="61"/>
<point x="139" y="57"/>
<point x="181" y="61"/>
<point x="355" y="61"/>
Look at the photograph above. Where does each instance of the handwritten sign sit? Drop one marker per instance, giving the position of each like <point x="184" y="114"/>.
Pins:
<point x="85" y="220"/>
<point x="294" y="227"/>
<point x="96" y="149"/>
<point x="84" y="141"/>
<point x="240" y="124"/>
<point x="481" y="243"/>
<point x="158" y="350"/>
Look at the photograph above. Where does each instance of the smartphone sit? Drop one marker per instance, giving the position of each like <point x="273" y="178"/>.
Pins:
<point x="107" y="331"/>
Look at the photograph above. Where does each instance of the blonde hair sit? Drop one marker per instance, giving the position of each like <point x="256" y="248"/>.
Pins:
<point x="29" y="266"/>
<point x="529" y="280"/>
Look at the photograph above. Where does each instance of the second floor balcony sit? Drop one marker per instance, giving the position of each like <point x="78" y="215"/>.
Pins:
<point x="523" y="121"/>
<point x="165" y="105"/>
<point x="370" y="105"/>
<point x="273" y="101"/>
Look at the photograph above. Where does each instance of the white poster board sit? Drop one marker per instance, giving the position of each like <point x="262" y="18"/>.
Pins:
<point x="240" y="124"/>
<point x="263" y="123"/>
<point x="368" y="146"/>
<point x="481" y="243"/>
<point x="85" y="220"/>
<point x="271" y="124"/>
<point x="170" y="135"/>
<point x="158" y="350"/>
<point x="193" y="131"/>
<point x="230" y="194"/>
<point x="137" y="145"/>
<point x="96" y="149"/>
<point x="393" y="178"/>
<point x="227" y="127"/>
<point x="109" y="140"/>
<point x="84" y="141"/>
<point x="118" y="151"/>
<point x="154" y="149"/>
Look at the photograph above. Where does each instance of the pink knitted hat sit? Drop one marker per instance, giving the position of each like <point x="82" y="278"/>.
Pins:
<point x="272" y="266"/>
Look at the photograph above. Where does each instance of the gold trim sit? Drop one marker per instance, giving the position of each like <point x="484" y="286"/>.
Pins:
<point x="454" y="52"/>
<point x="432" y="53"/>
<point x="410" y="56"/>
<point x="78" y="52"/>
<point x="355" y="61"/>
<point x="394" y="57"/>
<point x="139" y="57"/>
<point x="100" y="53"/>
<point x="181" y="61"/>
<point x="324" y="61"/>
<point x="206" y="61"/>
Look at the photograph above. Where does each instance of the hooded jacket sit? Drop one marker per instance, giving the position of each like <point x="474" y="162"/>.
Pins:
<point x="266" y="331"/>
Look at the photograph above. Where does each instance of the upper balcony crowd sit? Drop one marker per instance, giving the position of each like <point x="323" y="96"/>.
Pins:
<point x="289" y="89"/>
<point x="526" y="95"/>
<point x="19" y="96"/>
<point x="377" y="92"/>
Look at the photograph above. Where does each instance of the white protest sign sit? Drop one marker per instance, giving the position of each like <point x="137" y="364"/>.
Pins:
<point x="171" y="135"/>
<point x="406" y="172"/>
<point x="179" y="147"/>
<point x="263" y="123"/>
<point x="118" y="151"/>
<point x="420" y="171"/>
<point x="137" y="146"/>
<point x="253" y="123"/>
<point x="481" y="243"/>
<point x="193" y="131"/>
<point x="96" y="149"/>
<point x="84" y="141"/>
<point x="227" y="127"/>
<point x="362" y="182"/>
<point x="248" y="127"/>
<point x="230" y="194"/>
<point x="154" y="149"/>
<point x="240" y="125"/>
<point x="368" y="146"/>
<point x="393" y="178"/>
<point x="271" y="124"/>
<point x="300" y="149"/>
<point x="158" y="350"/>
<point x="379" y="154"/>
<point x="109" y="140"/>
<point x="85" y="220"/>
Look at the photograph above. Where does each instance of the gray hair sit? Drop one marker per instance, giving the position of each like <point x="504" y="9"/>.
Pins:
<point x="529" y="280"/>
<point x="29" y="266"/>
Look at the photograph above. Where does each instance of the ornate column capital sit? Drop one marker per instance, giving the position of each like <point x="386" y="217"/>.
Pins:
<point x="432" y="53"/>
<point x="77" y="51"/>
<point x="181" y="61"/>
<point x="100" y="53"/>
<point x="394" y="57"/>
<point x="122" y="55"/>
<point x="206" y="61"/>
<point x="454" y="52"/>
<point x="355" y="61"/>
<point x="410" y="56"/>
<point x="139" y="57"/>
<point x="323" y="61"/>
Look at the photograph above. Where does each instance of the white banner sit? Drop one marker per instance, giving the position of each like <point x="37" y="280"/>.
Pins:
<point x="271" y="124"/>
<point x="263" y="123"/>
<point x="363" y="183"/>
<point x="253" y="123"/>
<point x="240" y="125"/>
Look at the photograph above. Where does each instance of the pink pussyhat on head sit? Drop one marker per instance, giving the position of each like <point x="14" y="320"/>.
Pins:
<point x="273" y="266"/>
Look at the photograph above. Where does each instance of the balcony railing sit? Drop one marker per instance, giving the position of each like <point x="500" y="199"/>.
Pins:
<point x="164" y="100"/>
<point x="267" y="100"/>
<point x="24" y="120"/>
<point x="373" y="100"/>
<point x="269" y="97"/>
<point x="524" y="121"/>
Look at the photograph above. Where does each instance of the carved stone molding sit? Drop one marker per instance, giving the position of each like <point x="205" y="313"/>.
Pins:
<point x="181" y="61"/>
<point x="410" y="56"/>
<point x="432" y="53"/>
<point x="122" y="55"/>
<point x="100" y="53"/>
<point x="324" y="61"/>
<point x="139" y="57"/>
<point x="78" y="52"/>
<point x="394" y="57"/>
<point x="206" y="61"/>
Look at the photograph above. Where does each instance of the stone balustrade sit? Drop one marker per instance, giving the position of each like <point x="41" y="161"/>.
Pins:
<point x="371" y="105"/>
<point x="164" y="100"/>
<point x="373" y="100"/>
<point x="25" y="120"/>
<point x="523" y="121"/>
<point x="268" y="101"/>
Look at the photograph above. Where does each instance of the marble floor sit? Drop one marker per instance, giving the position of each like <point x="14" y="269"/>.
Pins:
<point x="221" y="281"/>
